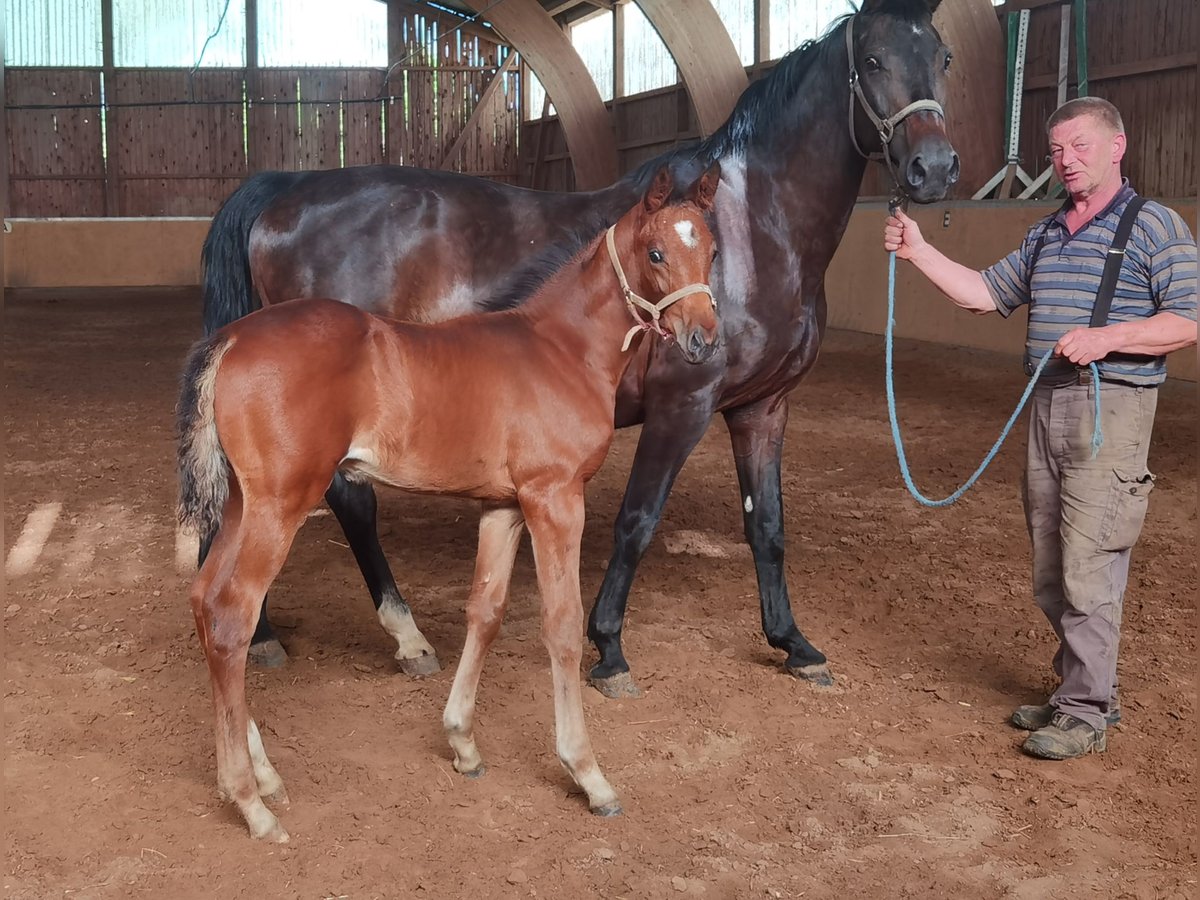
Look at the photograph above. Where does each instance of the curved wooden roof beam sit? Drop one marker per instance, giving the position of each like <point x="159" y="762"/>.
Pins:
<point x="585" y="120"/>
<point x="704" y="52"/>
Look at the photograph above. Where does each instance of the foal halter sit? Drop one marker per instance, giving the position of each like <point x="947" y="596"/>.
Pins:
<point x="885" y="127"/>
<point x="634" y="301"/>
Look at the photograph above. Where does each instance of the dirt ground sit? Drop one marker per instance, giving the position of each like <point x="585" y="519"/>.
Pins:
<point x="902" y="780"/>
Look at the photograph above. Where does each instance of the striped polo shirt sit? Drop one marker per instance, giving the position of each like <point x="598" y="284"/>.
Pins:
<point x="1158" y="274"/>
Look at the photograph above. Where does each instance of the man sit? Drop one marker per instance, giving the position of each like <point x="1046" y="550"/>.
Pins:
<point x="1084" y="515"/>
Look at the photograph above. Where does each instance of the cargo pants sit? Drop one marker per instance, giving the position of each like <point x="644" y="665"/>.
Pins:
<point x="1084" y="516"/>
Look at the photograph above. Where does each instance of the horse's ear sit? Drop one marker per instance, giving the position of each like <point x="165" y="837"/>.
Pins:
<point x="660" y="190"/>
<point x="705" y="188"/>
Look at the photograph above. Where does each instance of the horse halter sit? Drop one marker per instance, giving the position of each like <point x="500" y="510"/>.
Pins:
<point x="885" y="127"/>
<point x="634" y="301"/>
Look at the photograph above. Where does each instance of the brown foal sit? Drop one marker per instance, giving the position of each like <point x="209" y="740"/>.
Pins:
<point x="514" y="408"/>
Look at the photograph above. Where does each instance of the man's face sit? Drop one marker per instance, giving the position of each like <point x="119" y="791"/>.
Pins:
<point x="1086" y="154"/>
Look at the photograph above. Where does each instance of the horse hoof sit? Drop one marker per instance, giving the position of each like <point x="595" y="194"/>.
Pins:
<point x="608" y="810"/>
<point x="271" y="832"/>
<point x="267" y="655"/>
<point x="817" y="675"/>
<point x="278" y="797"/>
<point x="617" y="687"/>
<point x="477" y="772"/>
<point x="419" y="666"/>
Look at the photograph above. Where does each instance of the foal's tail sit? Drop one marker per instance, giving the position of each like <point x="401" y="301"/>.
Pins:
<point x="227" y="287"/>
<point x="203" y="466"/>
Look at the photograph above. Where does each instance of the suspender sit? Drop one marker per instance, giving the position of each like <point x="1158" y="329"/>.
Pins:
<point x="1112" y="263"/>
<point x="1108" y="280"/>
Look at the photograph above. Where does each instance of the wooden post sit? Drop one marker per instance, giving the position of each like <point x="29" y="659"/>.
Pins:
<point x="112" y="168"/>
<point x="253" y="161"/>
<point x="392" y="147"/>
<point x="762" y="31"/>
<point x="618" y="55"/>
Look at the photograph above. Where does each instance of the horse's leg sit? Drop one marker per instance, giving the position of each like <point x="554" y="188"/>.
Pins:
<point x="225" y="599"/>
<point x="266" y="651"/>
<point x="757" y="432"/>
<point x="354" y="504"/>
<point x="499" y="537"/>
<point x="555" y="522"/>
<point x="666" y="440"/>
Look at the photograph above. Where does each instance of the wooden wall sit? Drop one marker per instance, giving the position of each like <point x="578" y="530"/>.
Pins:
<point x="176" y="143"/>
<point x="1141" y="56"/>
<point x="1144" y="63"/>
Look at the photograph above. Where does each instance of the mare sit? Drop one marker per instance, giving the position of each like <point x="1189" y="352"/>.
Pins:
<point x="424" y="245"/>
<point x="512" y="407"/>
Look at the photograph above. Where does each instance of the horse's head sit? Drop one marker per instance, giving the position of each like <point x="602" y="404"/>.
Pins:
<point x="670" y="264"/>
<point x="898" y="67"/>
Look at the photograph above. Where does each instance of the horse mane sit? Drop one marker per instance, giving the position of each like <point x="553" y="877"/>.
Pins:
<point x="757" y="110"/>
<point x="533" y="274"/>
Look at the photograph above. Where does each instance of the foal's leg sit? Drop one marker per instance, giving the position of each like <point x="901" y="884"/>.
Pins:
<point x="354" y="504"/>
<point x="555" y="522"/>
<point x="666" y="441"/>
<point x="245" y="558"/>
<point x="266" y="651"/>
<point x="757" y="433"/>
<point x="499" y="537"/>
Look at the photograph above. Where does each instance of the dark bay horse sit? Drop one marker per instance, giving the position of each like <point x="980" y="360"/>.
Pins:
<point x="514" y="408"/>
<point x="423" y="246"/>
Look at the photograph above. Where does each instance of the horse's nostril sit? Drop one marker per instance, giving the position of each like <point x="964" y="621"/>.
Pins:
<point x="954" y="169"/>
<point x="916" y="172"/>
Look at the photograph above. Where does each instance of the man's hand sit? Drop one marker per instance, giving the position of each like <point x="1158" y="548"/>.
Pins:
<point x="902" y="236"/>
<point x="1085" y="345"/>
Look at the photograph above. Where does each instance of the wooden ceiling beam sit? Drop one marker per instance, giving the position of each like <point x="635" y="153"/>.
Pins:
<point x="704" y="52"/>
<point x="586" y="125"/>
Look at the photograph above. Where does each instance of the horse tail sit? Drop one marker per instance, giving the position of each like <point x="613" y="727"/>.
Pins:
<point x="228" y="289"/>
<point x="203" y="465"/>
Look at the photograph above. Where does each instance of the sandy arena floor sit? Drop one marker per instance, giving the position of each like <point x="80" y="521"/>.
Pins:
<point x="738" y="782"/>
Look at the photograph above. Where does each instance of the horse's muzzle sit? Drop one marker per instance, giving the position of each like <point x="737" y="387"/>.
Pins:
<point x="699" y="345"/>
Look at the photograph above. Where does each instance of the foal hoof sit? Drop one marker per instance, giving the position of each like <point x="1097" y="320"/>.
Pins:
<point x="817" y="674"/>
<point x="267" y="655"/>
<point x="418" y="666"/>
<point x="617" y="687"/>
<point x="608" y="810"/>
<point x="478" y="772"/>
<point x="278" y="797"/>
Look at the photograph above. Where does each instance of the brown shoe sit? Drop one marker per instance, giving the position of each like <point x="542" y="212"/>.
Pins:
<point x="1034" y="717"/>
<point x="1066" y="737"/>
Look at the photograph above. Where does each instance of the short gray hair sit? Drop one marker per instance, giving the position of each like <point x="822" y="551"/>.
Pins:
<point x="1087" y="106"/>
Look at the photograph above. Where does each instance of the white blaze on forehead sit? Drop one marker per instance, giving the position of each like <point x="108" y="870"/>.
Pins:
<point x="687" y="234"/>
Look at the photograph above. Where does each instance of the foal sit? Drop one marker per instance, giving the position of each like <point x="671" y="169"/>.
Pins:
<point x="514" y="408"/>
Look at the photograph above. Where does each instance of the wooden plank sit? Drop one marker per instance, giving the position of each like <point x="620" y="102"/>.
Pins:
<point x="483" y="105"/>
<point x="1121" y="70"/>
<point x="65" y="144"/>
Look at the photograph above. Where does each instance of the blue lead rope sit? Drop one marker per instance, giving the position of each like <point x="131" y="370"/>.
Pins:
<point x="1097" y="436"/>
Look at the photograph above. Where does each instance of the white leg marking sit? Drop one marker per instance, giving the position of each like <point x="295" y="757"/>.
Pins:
<point x="397" y="621"/>
<point x="187" y="550"/>
<point x="265" y="775"/>
<point x="25" y="553"/>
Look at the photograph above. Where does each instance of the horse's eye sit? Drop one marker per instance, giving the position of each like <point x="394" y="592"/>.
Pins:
<point x="872" y="63"/>
<point x="946" y="64"/>
<point x="656" y="256"/>
<point x="716" y="252"/>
